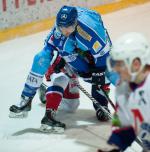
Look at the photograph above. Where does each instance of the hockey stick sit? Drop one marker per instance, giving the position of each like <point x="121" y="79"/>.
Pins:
<point x="103" y="92"/>
<point x="138" y="140"/>
<point x="89" y="96"/>
<point x="92" y="99"/>
<point x="69" y="72"/>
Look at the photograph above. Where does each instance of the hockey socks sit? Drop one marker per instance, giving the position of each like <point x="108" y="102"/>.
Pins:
<point x="54" y="96"/>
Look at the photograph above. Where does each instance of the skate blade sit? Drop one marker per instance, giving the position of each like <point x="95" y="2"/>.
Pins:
<point x="23" y="114"/>
<point x="48" y="129"/>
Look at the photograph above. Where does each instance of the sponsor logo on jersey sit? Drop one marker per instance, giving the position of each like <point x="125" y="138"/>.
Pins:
<point x="83" y="33"/>
<point x="97" y="46"/>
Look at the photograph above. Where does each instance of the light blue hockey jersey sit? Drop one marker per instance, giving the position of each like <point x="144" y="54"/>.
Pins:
<point x="90" y="35"/>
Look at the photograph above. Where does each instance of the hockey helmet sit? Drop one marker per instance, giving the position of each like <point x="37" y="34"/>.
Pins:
<point x="130" y="46"/>
<point x="67" y="16"/>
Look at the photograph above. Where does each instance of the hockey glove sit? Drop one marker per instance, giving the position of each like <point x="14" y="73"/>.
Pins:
<point x="56" y="67"/>
<point x="49" y="72"/>
<point x="102" y="116"/>
<point x="115" y="120"/>
<point x="58" y="64"/>
<point x="122" y="137"/>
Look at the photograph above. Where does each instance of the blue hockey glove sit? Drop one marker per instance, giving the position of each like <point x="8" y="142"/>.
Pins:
<point x="122" y="137"/>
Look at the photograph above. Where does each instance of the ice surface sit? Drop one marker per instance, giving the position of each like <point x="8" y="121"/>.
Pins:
<point x="84" y="133"/>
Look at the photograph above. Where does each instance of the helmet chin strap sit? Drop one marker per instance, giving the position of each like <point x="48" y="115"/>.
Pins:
<point x="133" y="76"/>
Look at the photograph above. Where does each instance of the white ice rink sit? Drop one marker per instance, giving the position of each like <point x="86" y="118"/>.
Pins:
<point x="84" y="133"/>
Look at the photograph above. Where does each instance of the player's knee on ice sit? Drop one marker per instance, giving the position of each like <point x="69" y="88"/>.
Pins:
<point x="59" y="79"/>
<point x="69" y="105"/>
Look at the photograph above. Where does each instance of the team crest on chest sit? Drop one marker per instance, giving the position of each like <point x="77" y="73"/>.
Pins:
<point x="57" y="34"/>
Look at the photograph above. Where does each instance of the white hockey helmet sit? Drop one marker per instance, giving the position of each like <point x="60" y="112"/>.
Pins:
<point x="130" y="46"/>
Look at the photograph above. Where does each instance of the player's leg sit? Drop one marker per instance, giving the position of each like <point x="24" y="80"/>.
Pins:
<point x="98" y="94"/>
<point x="70" y="101"/>
<point x="112" y="77"/>
<point x="39" y="67"/>
<point x="54" y="95"/>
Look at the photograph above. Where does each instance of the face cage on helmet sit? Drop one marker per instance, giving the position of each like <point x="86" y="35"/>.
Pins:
<point x="111" y="63"/>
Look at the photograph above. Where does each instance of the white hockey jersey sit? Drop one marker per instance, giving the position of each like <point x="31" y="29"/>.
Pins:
<point x="134" y="106"/>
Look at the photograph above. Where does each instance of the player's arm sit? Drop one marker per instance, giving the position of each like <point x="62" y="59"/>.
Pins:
<point x="99" y="47"/>
<point x="57" y="65"/>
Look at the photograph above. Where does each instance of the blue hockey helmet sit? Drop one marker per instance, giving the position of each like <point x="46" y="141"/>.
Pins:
<point x="66" y="16"/>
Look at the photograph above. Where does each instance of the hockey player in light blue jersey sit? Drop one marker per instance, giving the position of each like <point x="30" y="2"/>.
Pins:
<point x="82" y="41"/>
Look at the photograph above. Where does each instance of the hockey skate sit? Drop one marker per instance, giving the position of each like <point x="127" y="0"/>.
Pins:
<point x="21" y="110"/>
<point x="102" y="116"/>
<point x="42" y="92"/>
<point x="50" y="125"/>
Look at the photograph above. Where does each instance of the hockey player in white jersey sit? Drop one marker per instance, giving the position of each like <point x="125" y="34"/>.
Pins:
<point x="130" y="58"/>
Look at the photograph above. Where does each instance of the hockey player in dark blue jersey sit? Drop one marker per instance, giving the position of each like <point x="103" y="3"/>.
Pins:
<point x="82" y="41"/>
